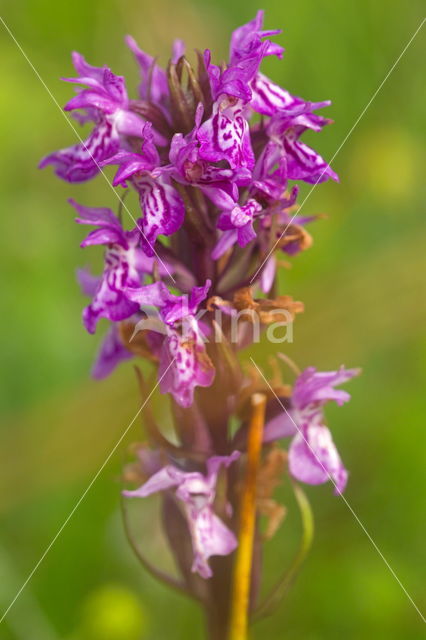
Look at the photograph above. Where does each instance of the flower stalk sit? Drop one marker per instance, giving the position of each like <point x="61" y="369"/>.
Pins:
<point x="239" y="619"/>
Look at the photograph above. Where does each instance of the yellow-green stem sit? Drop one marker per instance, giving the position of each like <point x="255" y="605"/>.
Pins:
<point x="238" y="625"/>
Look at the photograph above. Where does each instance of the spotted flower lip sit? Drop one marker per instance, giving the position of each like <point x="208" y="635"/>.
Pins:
<point x="226" y="136"/>
<point x="125" y="263"/>
<point x="313" y="457"/>
<point x="162" y="206"/>
<point x="188" y="167"/>
<point x="184" y="363"/>
<point x="80" y="162"/>
<point x="196" y="491"/>
<point x="183" y="360"/>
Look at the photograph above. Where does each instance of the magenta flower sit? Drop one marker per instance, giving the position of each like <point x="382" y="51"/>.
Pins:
<point x="301" y="162"/>
<point x="162" y="206"/>
<point x="125" y="263"/>
<point x="225" y="136"/>
<point x="218" y="183"/>
<point x="154" y="86"/>
<point x="184" y="363"/>
<point x="111" y="353"/>
<point x="247" y="41"/>
<point x="209" y="535"/>
<point x="270" y="173"/>
<point x="248" y="44"/>
<point x="172" y="308"/>
<point x="153" y="80"/>
<point x="237" y="226"/>
<point x="313" y="457"/>
<point x="105" y="102"/>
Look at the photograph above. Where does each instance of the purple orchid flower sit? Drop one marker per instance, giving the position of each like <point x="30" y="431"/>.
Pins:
<point x="162" y="206"/>
<point x="225" y="135"/>
<point x="269" y="173"/>
<point x="125" y="263"/>
<point x="153" y="85"/>
<point x="105" y="102"/>
<point x="237" y="226"/>
<point x="247" y="43"/>
<point x="247" y="50"/>
<point x="313" y="457"/>
<point x="240" y="88"/>
<point x="172" y="308"/>
<point x="209" y="535"/>
<point x="267" y="276"/>
<point x="301" y="162"/>
<point x="269" y="268"/>
<point x="211" y="152"/>
<point x="184" y="363"/>
<point x="153" y="80"/>
<point x="189" y="168"/>
<point x="112" y="351"/>
<point x="247" y="40"/>
<point x="269" y="98"/>
<point x="236" y="221"/>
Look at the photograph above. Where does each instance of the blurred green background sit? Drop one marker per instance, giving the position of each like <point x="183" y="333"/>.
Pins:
<point x="363" y="284"/>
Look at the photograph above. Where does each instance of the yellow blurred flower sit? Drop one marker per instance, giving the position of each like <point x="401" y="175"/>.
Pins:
<point x="385" y="164"/>
<point x="113" y="612"/>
